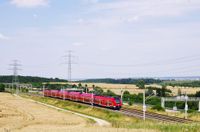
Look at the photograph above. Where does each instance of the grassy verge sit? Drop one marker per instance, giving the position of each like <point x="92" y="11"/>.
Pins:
<point x="116" y="119"/>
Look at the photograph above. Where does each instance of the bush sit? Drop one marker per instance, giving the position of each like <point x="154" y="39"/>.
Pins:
<point x="24" y="90"/>
<point x="192" y="111"/>
<point x="130" y="103"/>
<point x="2" y="87"/>
<point x="140" y="84"/>
<point x="158" y="108"/>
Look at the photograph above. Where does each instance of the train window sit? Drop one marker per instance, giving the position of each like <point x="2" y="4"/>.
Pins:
<point x="117" y="100"/>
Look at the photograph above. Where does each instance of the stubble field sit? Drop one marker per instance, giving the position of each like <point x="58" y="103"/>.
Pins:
<point x="21" y="115"/>
<point x="133" y="89"/>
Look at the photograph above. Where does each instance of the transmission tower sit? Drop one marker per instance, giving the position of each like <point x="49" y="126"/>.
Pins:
<point x="69" y="66"/>
<point x="15" y="68"/>
<point x="69" y="61"/>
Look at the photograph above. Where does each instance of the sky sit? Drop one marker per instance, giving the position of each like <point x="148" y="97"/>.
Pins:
<point x="109" y="38"/>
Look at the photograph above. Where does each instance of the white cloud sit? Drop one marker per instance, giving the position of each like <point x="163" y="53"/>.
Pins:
<point x="3" y="37"/>
<point x="149" y="7"/>
<point x="29" y="3"/>
<point x="131" y="11"/>
<point x="91" y="1"/>
<point x="78" y="44"/>
<point x="133" y="19"/>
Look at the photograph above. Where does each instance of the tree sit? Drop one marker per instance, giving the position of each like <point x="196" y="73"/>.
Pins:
<point x="197" y="94"/>
<point x="126" y="95"/>
<point x="86" y="88"/>
<point x="74" y="86"/>
<point x="109" y="93"/>
<point x="98" y="91"/>
<point x="130" y="102"/>
<point x="93" y="86"/>
<point x="179" y="92"/>
<point x="79" y="85"/>
<point x="163" y="90"/>
<point x="149" y="92"/>
<point x="140" y="84"/>
<point x="2" y="87"/>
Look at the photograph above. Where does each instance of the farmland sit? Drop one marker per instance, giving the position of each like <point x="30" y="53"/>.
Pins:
<point x="118" y="121"/>
<point x="21" y="115"/>
<point x="133" y="89"/>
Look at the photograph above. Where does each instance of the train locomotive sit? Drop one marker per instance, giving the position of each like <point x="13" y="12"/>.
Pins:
<point x="88" y="98"/>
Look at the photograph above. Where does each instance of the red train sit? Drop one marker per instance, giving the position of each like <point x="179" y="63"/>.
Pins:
<point x="103" y="101"/>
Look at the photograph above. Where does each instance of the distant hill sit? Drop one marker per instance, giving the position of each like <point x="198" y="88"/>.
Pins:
<point x="193" y="78"/>
<point x="122" y="81"/>
<point x="29" y="79"/>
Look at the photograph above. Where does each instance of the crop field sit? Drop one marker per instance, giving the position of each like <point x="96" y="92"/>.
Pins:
<point x="133" y="89"/>
<point x="22" y="115"/>
<point x="187" y="90"/>
<point x="17" y="114"/>
<point x="116" y="88"/>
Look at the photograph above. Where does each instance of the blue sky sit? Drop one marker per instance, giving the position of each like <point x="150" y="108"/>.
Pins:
<point x="110" y="38"/>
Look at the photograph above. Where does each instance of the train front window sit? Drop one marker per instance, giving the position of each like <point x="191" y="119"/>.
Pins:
<point x="117" y="100"/>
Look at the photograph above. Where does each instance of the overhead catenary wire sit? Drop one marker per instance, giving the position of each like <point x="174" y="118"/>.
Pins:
<point x="174" y="61"/>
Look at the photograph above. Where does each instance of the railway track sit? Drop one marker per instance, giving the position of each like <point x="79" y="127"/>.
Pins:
<point x="139" y="113"/>
<point x="155" y="116"/>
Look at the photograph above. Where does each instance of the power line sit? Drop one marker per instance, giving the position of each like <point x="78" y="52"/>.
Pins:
<point x="179" y="60"/>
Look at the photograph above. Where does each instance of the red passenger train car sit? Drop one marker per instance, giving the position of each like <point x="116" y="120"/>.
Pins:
<point x="104" y="101"/>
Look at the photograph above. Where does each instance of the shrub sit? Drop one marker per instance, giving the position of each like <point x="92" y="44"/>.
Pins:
<point x="158" y="107"/>
<point x="130" y="103"/>
<point x="2" y="87"/>
<point x="191" y="111"/>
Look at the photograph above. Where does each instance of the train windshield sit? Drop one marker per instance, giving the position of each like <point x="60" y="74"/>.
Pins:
<point x="117" y="100"/>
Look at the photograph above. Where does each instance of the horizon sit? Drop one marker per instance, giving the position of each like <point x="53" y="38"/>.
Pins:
<point x="192" y="78"/>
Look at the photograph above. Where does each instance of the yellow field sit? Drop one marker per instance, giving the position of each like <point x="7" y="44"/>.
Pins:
<point x="116" y="88"/>
<point x="133" y="89"/>
<point x="22" y="115"/>
<point x="187" y="90"/>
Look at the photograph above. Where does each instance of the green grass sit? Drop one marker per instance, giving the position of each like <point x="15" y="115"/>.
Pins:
<point x="116" y="119"/>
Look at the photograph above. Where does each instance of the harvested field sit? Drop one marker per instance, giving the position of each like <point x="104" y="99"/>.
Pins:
<point x="187" y="90"/>
<point x="21" y="115"/>
<point x="133" y="89"/>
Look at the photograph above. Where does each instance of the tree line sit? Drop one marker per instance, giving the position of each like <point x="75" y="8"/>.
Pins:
<point x="29" y="79"/>
<point x="184" y="84"/>
<point x="123" y="81"/>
